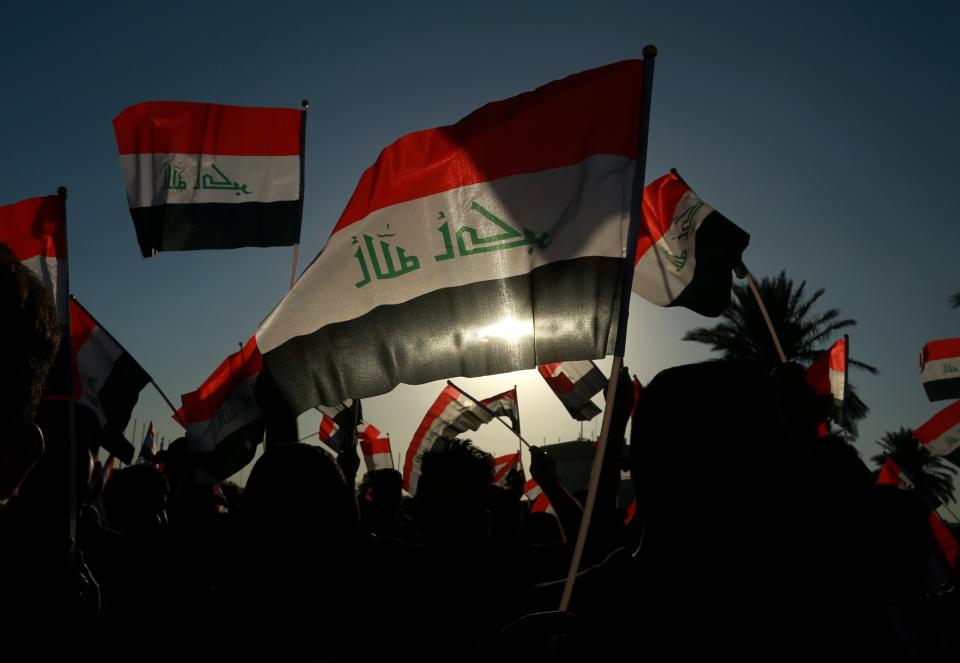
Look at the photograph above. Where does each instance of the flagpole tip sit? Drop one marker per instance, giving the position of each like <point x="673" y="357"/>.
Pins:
<point x="62" y="191"/>
<point x="673" y="171"/>
<point x="305" y="103"/>
<point x="649" y="52"/>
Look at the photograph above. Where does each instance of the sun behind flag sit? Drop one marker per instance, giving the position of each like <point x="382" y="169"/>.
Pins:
<point x="488" y="246"/>
<point x="207" y="176"/>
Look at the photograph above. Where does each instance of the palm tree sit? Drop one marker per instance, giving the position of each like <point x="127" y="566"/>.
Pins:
<point x="955" y="299"/>
<point x="930" y="475"/>
<point x="742" y="335"/>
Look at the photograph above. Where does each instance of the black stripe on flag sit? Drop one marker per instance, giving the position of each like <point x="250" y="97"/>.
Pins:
<point x="120" y="392"/>
<point x="197" y="226"/>
<point x="576" y="303"/>
<point x="719" y="248"/>
<point x="941" y="390"/>
<point x="231" y="454"/>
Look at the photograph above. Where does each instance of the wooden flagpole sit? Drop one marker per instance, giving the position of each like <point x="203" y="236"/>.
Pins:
<point x="303" y="139"/>
<point x="744" y="273"/>
<point x="488" y="411"/>
<point x="636" y="210"/>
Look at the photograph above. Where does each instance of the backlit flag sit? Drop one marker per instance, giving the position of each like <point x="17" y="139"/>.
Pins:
<point x="331" y="434"/>
<point x="892" y="475"/>
<point x="107" y="379"/>
<point x="35" y="230"/>
<point x="940" y="435"/>
<point x="537" y="498"/>
<point x="148" y="448"/>
<point x="575" y="383"/>
<point x="940" y="369"/>
<point x="487" y="246"/>
<point x="207" y="176"/>
<point x="505" y="405"/>
<point x="827" y="376"/>
<point x="686" y="250"/>
<point x="375" y="447"/>
<point x="503" y="466"/>
<point x="224" y="422"/>
<point x="451" y="414"/>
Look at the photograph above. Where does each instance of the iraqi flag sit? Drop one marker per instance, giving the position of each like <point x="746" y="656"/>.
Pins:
<point x="940" y="369"/>
<point x="224" y="422"/>
<point x="504" y="466"/>
<point x="35" y="230"/>
<point x="451" y="414"/>
<point x="375" y="447"/>
<point x="206" y="176"/>
<point x="505" y="405"/>
<point x="491" y="245"/>
<point x="827" y="375"/>
<point x="940" y="435"/>
<point x="537" y="498"/>
<point x="575" y="383"/>
<point x="944" y="542"/>
<point x="148" y="448"/>
<point x="331" y="434"/>
<point x="892" y="475"/>
<point x="107" y="379"/>
<point x="686" y="250"/>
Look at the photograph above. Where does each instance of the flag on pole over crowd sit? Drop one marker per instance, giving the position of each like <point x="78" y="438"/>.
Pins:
<point x="575" y="383"/>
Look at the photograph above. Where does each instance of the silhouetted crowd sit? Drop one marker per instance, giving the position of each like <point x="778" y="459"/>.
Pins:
<point x="753" y="539"/>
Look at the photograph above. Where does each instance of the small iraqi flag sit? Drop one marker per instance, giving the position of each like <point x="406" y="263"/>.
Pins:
<point x="892" y="475"/>
<point x="375" y="447"/>
<point x="35" y="230"/>
<point x="575" y="383"/>
<point x="940" y="435"/>
<point x="537" y="498"/>
<point x="224" y="422"/>
<point x="686" y="250"/>
<point x="504" y="466"/>
<point x="940" y="369"/>
<point x="207" y="176"/>
<point x="827" y="375"/>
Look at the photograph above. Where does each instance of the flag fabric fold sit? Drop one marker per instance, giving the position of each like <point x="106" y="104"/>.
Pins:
<point x="208" y="176"/>
<point x="452" y="413"/>
<point x="375" y="447"/>
<point x="487" y="246"/>
<point x="503" y="466"/>
<point x="35" y="230"/>
<point x="686" y="250"/>
<point x="223" y="420"/>
<point x="505" y="405"/>
<point x="892" y="475"/>
<point x="827" y="376"/>
<point x="106" y="378"/>
<point x="575" y="383"/>
<point x="940" y="435"/>
<point x="537" y="498"/>
<point x="940" y="369"/>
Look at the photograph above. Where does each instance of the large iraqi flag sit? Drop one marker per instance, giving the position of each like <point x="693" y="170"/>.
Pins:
<point x="208" y="176"/>
<point x="491" y="245"/>
<point x="940" y="369"/>
<point x="35" y="230"/>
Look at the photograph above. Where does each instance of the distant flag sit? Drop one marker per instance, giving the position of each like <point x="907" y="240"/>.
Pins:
<point x="827" y="376"/>
<point x="331" y="434"/>
<point x="631" y="512"/>
<point x="35" y="230"/>
<point x="488" y="246"/>
<point x="892" y="475"/>
<point x="575" y="383"/>
<point x="945" y="542"/>
<point x="504" y="465"/>
<point x="207" y="176"/>
<point x="107" y="379"/>
<point x="537" y="498"/>
<point x="337" y="421"/>
<point x="375" y="447"/>
<point x="940" y="369"/>
<point x="148" y="448"/>
<point x="224" y="422"/>
<point x="637" y="391"/>
<point x="451" y="414"/>
<point x="686" y="250"/>
<point x="505" y="405"/>
<point x="940" y="435"/>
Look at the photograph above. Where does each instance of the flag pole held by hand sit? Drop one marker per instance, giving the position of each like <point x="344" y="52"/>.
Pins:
<point x="744" y="273"/>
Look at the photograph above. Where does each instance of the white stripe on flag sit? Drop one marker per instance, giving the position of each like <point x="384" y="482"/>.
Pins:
<point x="237" y="410"/>
<point x="53" y="276"/>
<point x="95" y="360"/>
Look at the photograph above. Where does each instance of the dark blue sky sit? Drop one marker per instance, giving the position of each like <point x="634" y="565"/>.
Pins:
<point x="827" y="130"/>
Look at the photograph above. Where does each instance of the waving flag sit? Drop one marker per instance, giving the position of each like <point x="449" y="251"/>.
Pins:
<point x="491" y="245"/>
<point x="505" y="405"/>
<point x="575" y="383"/>
<point x="940" y="369"/>
<point x="537" y="498"/>
<point x="107" y="379"/>
<point x="224" y="422"/>
<point x="375" y="448"/>
<point x="35" y="230"/>
<point x="206" y="176"/>
<point x="504" y="466"/>
<point x="331" y="434"/>
<point x="148" y="448"/>
<point x="944" y="541"/>
<point x="892" y="475"/>
<point x="940" y="435"/>
<point x="686" y="250"/>
<point x="451" y="414"/>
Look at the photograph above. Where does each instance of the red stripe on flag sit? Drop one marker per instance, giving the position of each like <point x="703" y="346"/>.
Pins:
<point x="327" y="428"/>
<point x="938" y="424"/>
<point x="838" y="356"/>
<point x="660" y="199"/>
<point x="889" y="473"/>
<point x="943" y="349"/>
<point x="523" y="134"/>
<point x="379" y="445"/>
<point x="186" y="127"/>
<point x="447" y="396"/>
<point x="35" y="227"/>
<point x="558" y="381"/>
<point x="945" y="541"/>
<point x="203" y="403"/>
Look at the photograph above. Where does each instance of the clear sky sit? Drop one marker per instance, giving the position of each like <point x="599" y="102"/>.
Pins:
<point x="826" y="130"/>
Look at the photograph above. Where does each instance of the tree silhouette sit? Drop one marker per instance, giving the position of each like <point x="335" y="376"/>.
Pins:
<point x="931" y="475"/>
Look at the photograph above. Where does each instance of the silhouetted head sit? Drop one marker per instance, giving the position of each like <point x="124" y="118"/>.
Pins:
<point x="452" y="492"/>
<point x="29" y="338"/>
<point x="135" y="500"/>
